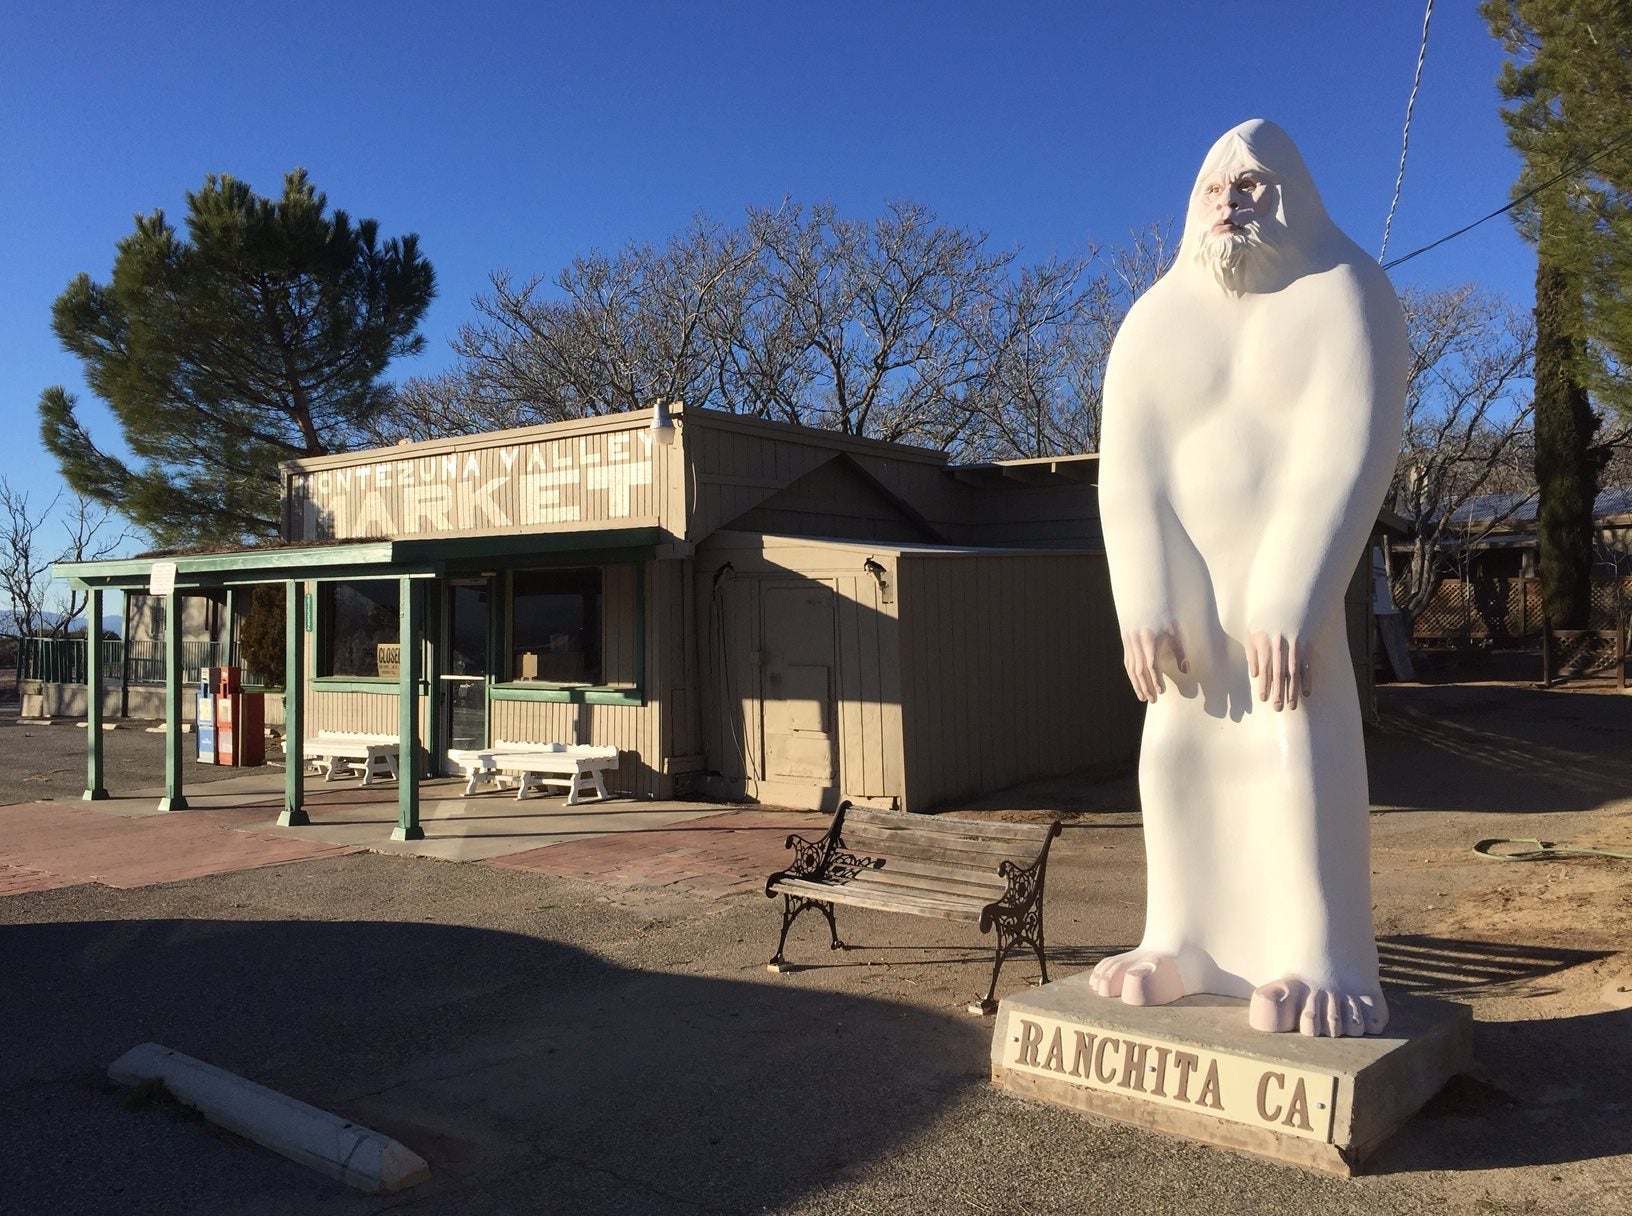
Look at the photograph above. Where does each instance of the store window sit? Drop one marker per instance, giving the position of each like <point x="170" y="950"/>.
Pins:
<point x="357" y="630"/>
<point x="556" y="626"/>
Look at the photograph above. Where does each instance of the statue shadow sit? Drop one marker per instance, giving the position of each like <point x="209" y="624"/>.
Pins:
<point x="1542" y="1091"/>
<point x="516" y="1066"/>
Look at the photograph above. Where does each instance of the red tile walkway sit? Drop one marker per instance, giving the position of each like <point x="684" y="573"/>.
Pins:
<point x="52" y="844"/>
<point x="45" y="845"/>
<point x="717" y="855"/>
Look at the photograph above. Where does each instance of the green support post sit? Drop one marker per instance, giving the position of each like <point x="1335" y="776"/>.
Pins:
<point x="95" y="791"/>
<point x="173" y="799"/>
<point x="294" y="708"/>
<point x="410" y="614"/>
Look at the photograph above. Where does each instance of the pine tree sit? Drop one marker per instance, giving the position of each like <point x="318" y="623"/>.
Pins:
<point x="260" y="336"/>
<point x="1569" y="86"/>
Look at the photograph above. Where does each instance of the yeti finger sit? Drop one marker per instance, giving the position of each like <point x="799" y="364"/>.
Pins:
<point x="1178" y="651"/>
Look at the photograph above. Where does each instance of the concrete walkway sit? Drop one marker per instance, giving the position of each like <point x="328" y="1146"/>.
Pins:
<point x="231" y="825"/>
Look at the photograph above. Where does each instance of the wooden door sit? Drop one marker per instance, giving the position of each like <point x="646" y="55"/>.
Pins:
<point x="797" y="670"/>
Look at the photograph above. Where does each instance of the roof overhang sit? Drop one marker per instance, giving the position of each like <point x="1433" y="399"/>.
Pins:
<point x="370" y="559"/>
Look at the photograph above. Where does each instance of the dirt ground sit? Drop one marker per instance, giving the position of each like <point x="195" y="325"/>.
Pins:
<point x="1500" y="760"/>
<point x="623" y="1050"/>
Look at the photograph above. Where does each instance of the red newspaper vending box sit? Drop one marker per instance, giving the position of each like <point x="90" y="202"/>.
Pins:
<point x="240" y="721"/>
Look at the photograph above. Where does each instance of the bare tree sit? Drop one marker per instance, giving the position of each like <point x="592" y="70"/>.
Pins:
<point x="89" y="532"/>
<point x="25" y="562"/>
<point x="1463" y="468"/>
<point x="900" y="327"/>
<point x="1049" y="364"/>
<point x="627" y="329"/>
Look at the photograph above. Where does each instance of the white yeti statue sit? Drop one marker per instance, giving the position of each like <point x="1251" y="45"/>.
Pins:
<point x="1253" y="405"/>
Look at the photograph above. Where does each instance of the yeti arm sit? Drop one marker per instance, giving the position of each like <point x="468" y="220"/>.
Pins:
<point x="1133" y="507"/>
<point x="1343" y="441"/>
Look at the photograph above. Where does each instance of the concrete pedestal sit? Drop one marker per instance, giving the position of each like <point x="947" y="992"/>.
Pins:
<point x="1196" y="1069"/>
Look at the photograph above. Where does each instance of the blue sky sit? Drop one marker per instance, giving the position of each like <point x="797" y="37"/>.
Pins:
<point x="513" y="136"/>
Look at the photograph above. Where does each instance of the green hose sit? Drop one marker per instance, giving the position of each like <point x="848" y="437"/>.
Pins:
<point x="1543" y="849"/>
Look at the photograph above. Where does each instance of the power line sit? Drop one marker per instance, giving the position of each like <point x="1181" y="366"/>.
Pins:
<point x="1527" y="195"/>
<point x="1405" y="135"/>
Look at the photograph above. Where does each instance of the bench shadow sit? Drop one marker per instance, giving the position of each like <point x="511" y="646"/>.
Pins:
<point x="496" y="1056"/>
<point x="1440" y="966"/>
<point x="1542" y="1091"/>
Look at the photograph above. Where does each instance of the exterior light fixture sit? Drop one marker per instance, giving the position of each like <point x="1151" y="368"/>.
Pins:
<point x="662" y="423"/>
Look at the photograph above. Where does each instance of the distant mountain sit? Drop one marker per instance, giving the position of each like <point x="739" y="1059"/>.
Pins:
<point x="8" y="622"/>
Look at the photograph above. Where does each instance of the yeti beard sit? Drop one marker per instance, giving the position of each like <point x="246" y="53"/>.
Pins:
<point x="1232" y="256"/>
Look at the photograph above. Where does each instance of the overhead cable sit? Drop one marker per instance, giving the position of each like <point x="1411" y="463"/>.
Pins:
<point x="1405" y="136"/>
<point x="1526" y="196"/>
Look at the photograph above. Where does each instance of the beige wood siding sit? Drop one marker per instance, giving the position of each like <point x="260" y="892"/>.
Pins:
<point x="837" y="499"/>
<point x="1060" y="515"/>
<point x="1011" y="670"/>
<point x="619" y="627"/>
<point x="737" y="464"/>
<point x="799" y="671"/>
<point x="675" y="663"/>
<point x="588" y="475"/>
<point x="369" y="712"/>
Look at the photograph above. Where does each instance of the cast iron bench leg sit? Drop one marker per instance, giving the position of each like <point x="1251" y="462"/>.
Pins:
<point x="1013" y="931"/>
<point x="792" y="905"/>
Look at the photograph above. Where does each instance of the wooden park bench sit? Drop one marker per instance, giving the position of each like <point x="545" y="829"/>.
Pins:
<point x="975" y="870"/>
<point x="339" y="753"/>
<point x="534" y="765"/>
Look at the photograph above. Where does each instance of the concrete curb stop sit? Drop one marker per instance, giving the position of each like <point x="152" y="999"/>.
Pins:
<point x="355" y="1155"/>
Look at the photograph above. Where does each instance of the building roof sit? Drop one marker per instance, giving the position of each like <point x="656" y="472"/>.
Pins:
<point x="1518" y="511"/>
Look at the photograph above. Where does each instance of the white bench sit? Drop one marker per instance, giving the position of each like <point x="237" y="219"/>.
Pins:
<point x="339" y="753"/>
<point x="535" y="765"/>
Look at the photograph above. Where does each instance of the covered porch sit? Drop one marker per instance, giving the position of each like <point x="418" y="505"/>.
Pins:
<point x="444" y="656"/>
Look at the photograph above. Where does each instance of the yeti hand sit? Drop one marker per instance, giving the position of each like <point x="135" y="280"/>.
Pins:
<point x="1279" y="667"/>
<point x="1142" y="656"/>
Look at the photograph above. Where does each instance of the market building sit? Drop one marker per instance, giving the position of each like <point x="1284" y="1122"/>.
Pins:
<point x="744" y="609"/>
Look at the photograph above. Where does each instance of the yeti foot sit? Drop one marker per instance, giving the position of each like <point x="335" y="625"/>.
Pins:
<point x="1139" y="978"/>
<point x="1290" y="1004"/>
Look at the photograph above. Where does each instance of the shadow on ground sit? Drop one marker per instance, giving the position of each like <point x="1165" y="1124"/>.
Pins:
<point x="1532" y="1078"/>
<point x="1499" y="749"/>
<point x="1439" y="966"/>
<point x="615" y="1090"/>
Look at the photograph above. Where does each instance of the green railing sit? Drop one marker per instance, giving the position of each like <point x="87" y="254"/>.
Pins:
<point x="62" y="661"/>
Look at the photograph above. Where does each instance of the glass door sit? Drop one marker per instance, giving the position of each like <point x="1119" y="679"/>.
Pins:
<point x="465" y="671"/>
